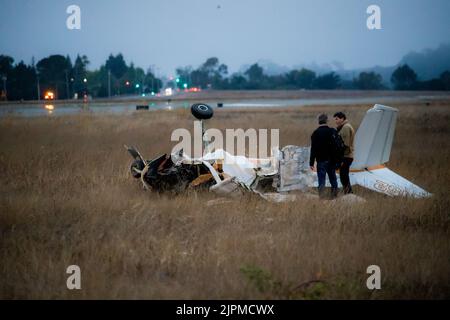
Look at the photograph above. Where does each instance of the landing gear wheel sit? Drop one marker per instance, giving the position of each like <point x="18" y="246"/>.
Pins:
<point x="202" y="111"/>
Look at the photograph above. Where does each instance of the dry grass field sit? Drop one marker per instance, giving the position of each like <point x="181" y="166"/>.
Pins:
<point x="67" y="197"/>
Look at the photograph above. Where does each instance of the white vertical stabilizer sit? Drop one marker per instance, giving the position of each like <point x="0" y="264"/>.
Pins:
<point x="373" y="140"/>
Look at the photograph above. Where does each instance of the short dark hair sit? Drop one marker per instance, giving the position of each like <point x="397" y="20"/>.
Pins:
<point x="322" y="118"/>
<point x="340" y="115"/>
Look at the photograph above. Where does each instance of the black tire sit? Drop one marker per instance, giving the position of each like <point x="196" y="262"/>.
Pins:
<point x="202" y="111"/>
<point x="138" y="164"/>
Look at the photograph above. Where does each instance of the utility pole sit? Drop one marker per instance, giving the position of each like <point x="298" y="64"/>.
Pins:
<point x="109" y="83"/>
<point x="4" y="87"/>
<point x="155" y="76"/>
<point x="152" y="70"/>
<point x="38" y="88"/>
<point x="153" y="80"/>
<point x="67" y="86"/>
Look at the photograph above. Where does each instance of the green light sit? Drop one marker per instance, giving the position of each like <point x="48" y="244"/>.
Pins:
<point x="137" y="85"/>
<point x="185" y="85"/>
<point x="177" y="80"/>
<point x="152" y="93"/>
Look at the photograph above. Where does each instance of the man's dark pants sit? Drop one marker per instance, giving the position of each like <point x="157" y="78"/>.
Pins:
<point x="344" y="175"/>
<point x="326" y="168"/>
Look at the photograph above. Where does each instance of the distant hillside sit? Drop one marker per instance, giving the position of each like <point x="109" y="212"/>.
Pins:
<point x="429" y="63"/>
<point x="385" y="73"/>
<point x="270" y="68"/>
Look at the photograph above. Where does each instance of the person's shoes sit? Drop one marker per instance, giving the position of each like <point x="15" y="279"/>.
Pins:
<point x="347" y="190"/>
<point x="334" y="193"/>
<point x="321" y="193"/>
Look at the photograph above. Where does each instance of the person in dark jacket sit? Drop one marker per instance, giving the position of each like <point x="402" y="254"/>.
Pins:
<point x="321" y="151"/>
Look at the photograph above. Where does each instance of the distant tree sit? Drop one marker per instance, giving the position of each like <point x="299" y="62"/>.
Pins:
<point x="276" y="82"/>
<point x="6" y="65"/>
<point x="237" y="81"/>
<point x="210" y="73"/>
<point x="184" y="75"/>
<point x="97" y="83"/>
<point x="328" y="81"/>
<point x="431" y="85"/>
<point x="256" y="77"/>
<point x="222" y="69"/>
<point x="302" y="79"/>
<point x="199" y="78"/>
<point x="369" y="81"/>
<point x="52" y="74"/>
<point x="79" y="73"/>
<point x="218" y="80"/>
<point x="346" y="84"/>
<point x="80" y="65"/>
<point x="151" y="83"/>
<point x="445" y="79"/>
<point x="210" y="65"/>
<point x="404" y="78"/>
<point x="255" y="73"/>
<point x="20" y="82"/>
<point x="117" y="65"/>
<point x="214" y="71"/>
<point x="133" y="80"/>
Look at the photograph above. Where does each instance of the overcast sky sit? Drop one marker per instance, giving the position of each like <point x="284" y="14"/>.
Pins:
<point x="178" y="33"/>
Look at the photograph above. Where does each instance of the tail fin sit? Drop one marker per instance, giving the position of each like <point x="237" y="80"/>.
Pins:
<point x="373" y="140"/>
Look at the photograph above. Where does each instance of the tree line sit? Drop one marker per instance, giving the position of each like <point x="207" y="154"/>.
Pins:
<point x="213" y="74"/>
<point x="69" y="80"/>
<point x="115" y="77"/>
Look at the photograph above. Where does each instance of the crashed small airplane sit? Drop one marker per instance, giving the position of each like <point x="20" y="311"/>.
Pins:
<point x="285" y="170"/>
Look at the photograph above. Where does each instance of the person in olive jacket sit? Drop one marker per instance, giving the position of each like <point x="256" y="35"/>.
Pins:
<point x="347" y="134"/>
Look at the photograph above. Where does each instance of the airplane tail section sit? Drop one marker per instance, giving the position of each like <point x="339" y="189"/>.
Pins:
<point x="373" y="140"/>
<point x="373" y="144"/>
<point x="383" y="180"/>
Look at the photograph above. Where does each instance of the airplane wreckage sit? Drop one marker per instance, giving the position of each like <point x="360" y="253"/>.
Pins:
<point x="285" y="170"/>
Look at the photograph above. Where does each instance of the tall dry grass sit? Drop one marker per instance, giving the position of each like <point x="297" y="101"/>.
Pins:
<point x="67" y="198"/>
